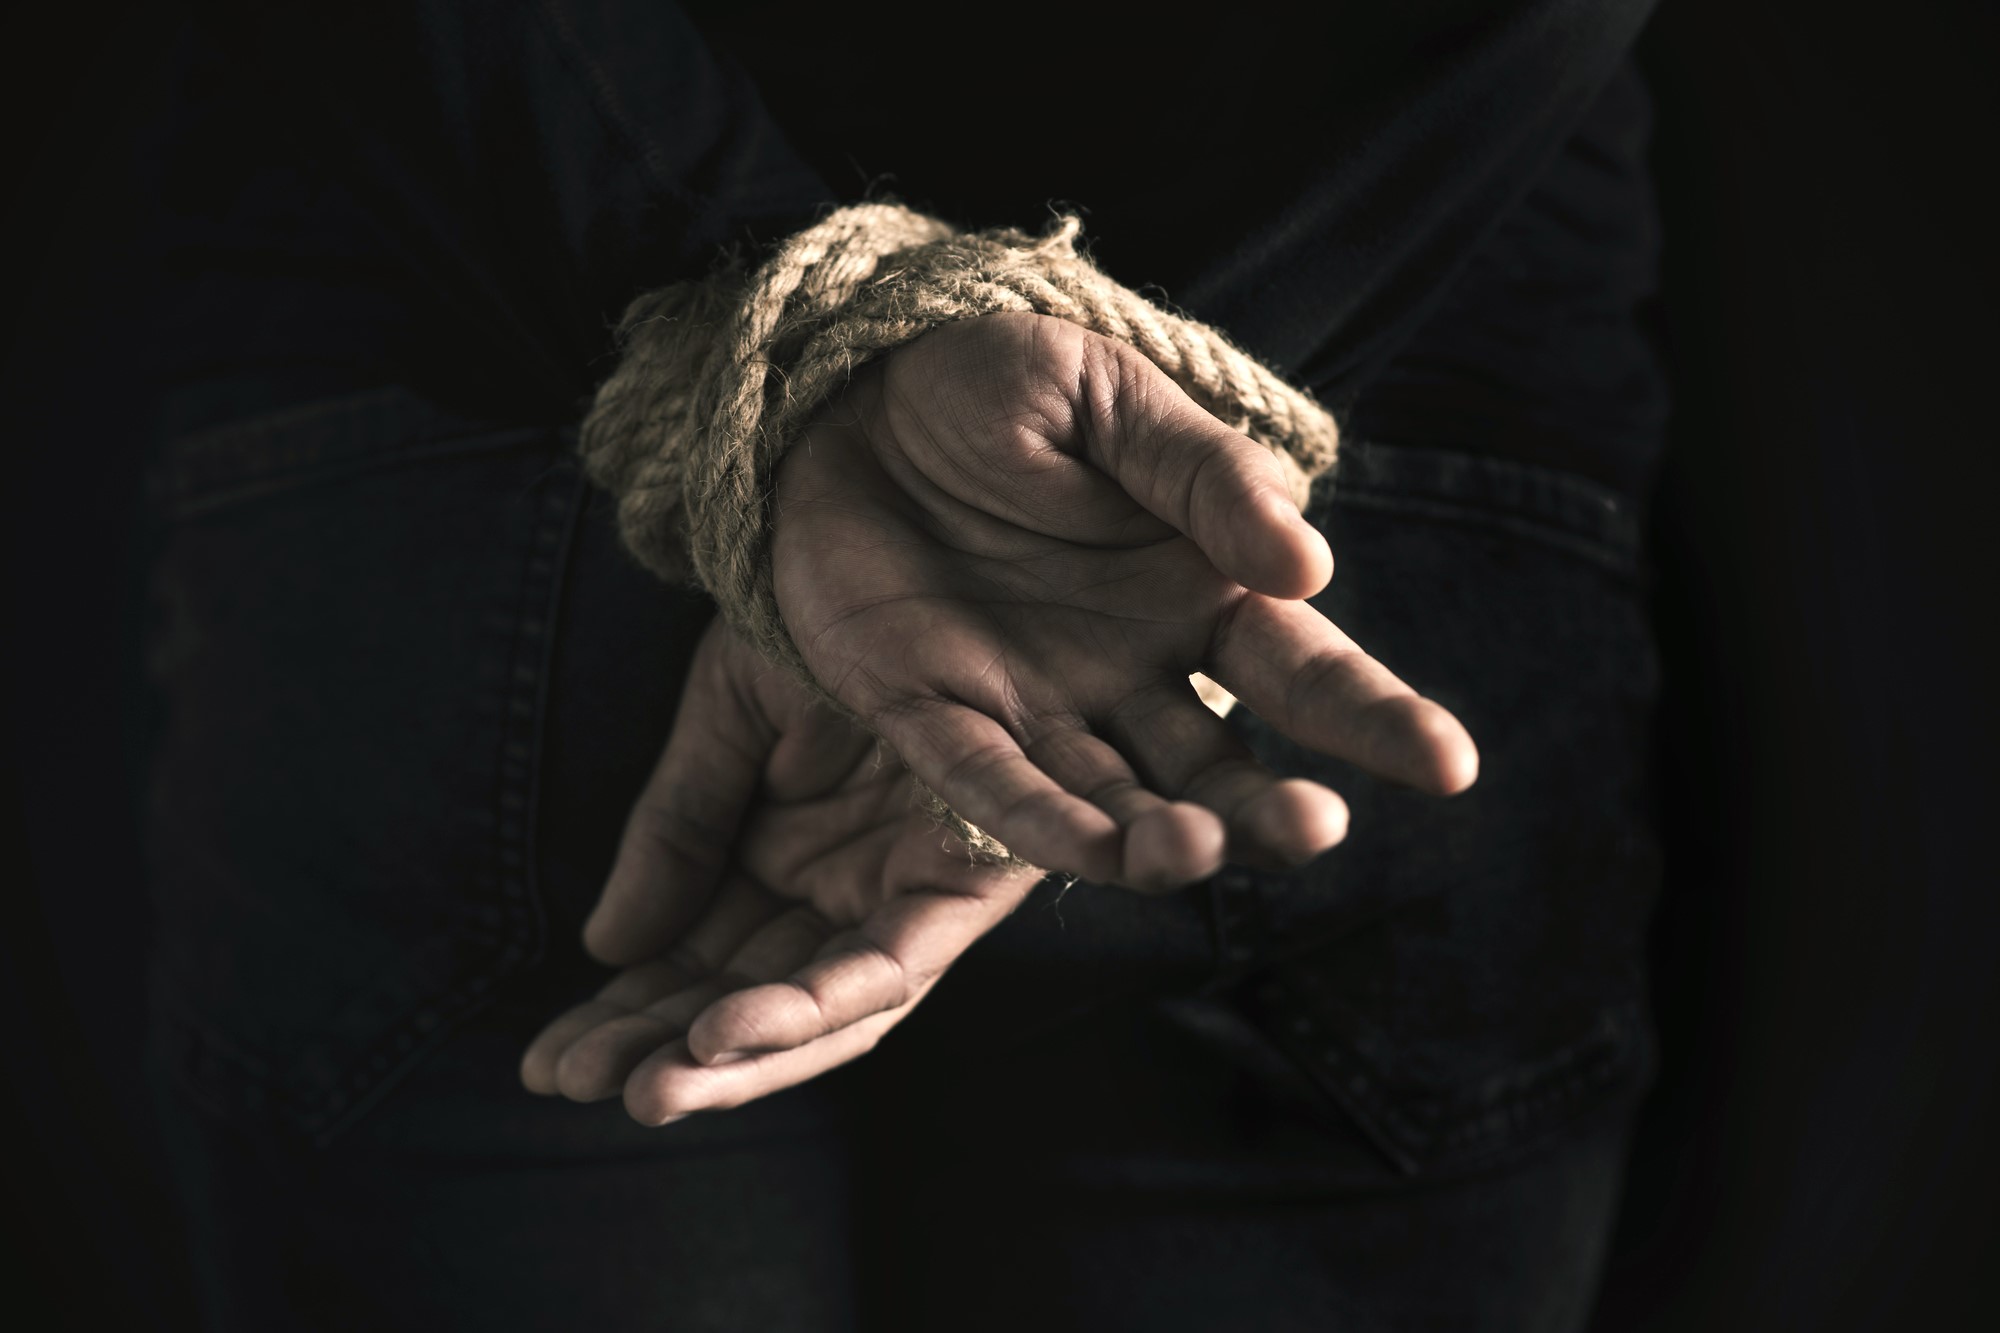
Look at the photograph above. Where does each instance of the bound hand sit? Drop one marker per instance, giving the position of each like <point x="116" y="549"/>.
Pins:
<point x="1008" y="544"/>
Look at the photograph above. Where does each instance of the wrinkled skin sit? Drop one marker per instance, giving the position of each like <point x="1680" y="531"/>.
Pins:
<point x="777" y="896"/>
<point x="1004" y="548"/>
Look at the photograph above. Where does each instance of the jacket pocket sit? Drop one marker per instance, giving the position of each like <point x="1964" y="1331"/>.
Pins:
<point x="352" y="610"/>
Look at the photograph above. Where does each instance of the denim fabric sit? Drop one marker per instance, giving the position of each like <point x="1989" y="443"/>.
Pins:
<point x="411" y="686"/>
<point x="1465" y="979"/>
<point x="1435" y="214"/>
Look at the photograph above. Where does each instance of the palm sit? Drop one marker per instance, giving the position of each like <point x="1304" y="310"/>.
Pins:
<point x="794" y="938"/>
<point x="1006" y="548"/>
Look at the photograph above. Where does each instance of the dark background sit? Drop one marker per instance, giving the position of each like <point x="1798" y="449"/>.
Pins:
<point x="1820" y="1152"/>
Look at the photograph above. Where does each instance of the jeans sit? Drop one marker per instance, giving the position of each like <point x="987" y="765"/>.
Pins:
<point x="410" y="688"/>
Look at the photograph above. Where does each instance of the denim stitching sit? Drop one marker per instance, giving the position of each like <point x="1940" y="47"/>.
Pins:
<point x="1557" y="509"/>
<point x="254" y="1087"/>
<point x="515" y="799"/>
<point x="1458" y="1133"/>
<point x="226" y="465"/>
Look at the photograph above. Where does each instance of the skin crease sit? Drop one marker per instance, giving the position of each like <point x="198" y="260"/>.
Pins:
<point x="1004" y="548"/>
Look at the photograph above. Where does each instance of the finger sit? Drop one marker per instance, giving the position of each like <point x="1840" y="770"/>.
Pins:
<point x="892" y="959"/>
<point x="1282" y="823"/>
<point x="631" y="990"/>
<point x="637" y="987"/>
<point x="779" y="946"/>
<point x="598" y="1061"/>
<point x="670" y="1083"/>
<point x="1299" y="672"/>
<point x="739" y="912"/>
<point x="736" y="914"/>
<point x="854" y="981"/>
<point x="678" y="837"/>
<point x="1228" y="493"/>
<point x="545" y="1052"/>
<point x="1167" y="844"/>
<point x="978" y="768"/>
<point x="1181" y="747"/>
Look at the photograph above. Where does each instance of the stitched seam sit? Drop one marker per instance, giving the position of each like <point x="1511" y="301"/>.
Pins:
<point x="1456" y="1132"/>
<point x="1612" y="558"/>
<point x="1568" y="507"/>
<point x="278" y="483"/>
<point x="515" y="798"/>
<point x="300" y="445"/>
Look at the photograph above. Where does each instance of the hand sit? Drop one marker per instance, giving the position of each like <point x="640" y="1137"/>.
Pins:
<point x="778" y="904"/>
<point x="1006" y="546"/>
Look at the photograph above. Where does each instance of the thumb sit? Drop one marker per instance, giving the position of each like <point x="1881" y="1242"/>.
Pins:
<point x="682" y="831"/>
<point x="1230" y="495"/>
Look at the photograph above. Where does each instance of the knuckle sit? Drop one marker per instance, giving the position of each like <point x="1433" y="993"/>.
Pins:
<point x="897" y="981"/>
<point x="686" y="827"/>
<point x="794" y="1008"/>
<point x="869" y="976"/>
<point x="689" y="963"/>
<point x="1108" y="395"/>
<point x="1205" y="494"/>
<point x="1316" y="677"/>
<point x="728" y="1027"/>
<point x="1029" y="806"/>
<point x="978" y="766"/>
<point x="1114" y="790"/>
